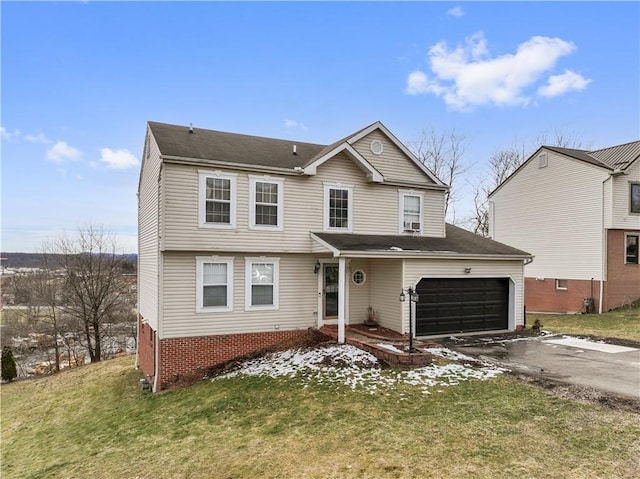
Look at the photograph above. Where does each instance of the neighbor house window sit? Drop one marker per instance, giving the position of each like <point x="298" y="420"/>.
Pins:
<point x="411" y="212"/>
<point x="217" y="200"/>
<point x="262" y="283"/>
<point x="632" y="243"/>
<point x="338" y="208"/>
<point x="635" y="198"/>
<point x="214" y="282"/>
<point x="265" y="203"/>
<point x="562" y="284"/>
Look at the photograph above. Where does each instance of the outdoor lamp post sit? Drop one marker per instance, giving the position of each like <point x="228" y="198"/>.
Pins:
<point x="413" y="298"/>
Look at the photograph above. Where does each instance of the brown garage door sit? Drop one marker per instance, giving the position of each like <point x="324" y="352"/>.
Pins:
<point x="456" y="305"/>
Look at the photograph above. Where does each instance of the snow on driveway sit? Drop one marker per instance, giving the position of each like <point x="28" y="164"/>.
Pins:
<point x="358" y="369"/>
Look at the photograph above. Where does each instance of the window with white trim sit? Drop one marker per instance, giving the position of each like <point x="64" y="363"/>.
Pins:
<point x="214" y="283"/>
<point x="265" y="203"/>
<point x="634" y="197"/>
<point x="411" y="216"/>
<point x="338" y="208"/>
<point x="632" y="249"/>
<point x="217" y="200"/>
<point x="262" y="283"/>
<point x="562" y="284"/>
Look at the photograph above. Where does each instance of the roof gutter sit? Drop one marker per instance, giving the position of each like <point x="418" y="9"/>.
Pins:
<point x="228" y="164"/>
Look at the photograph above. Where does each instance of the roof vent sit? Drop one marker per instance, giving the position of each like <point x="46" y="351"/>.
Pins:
<point x="190" y="127"/>
<point x="295" y="152"/>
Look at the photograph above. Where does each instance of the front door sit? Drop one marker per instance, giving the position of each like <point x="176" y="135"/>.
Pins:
<point x="330" y="291"/>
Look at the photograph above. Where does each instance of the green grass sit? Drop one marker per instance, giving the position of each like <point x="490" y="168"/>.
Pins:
<point x="623" y="323"/>
<point x="96" y="422"/>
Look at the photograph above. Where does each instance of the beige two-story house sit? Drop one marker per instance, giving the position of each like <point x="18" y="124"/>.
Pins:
<point x="578" y="213"/>
<point x="245" y="242"/>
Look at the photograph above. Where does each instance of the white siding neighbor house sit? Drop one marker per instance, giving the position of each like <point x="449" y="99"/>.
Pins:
<point x="246" y="242"/>
<point x="578" y="213"/>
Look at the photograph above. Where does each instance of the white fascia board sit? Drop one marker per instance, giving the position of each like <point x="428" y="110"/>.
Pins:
<point x="431" y="255"/>
<point x="334" y="251"/>
<point x="372" y="174"/>
<point x="379" y="126"/>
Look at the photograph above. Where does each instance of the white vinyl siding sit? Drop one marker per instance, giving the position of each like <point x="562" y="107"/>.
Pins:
<point x="556" y="214"/>
<point x="385" y="281"/>
<point x="392" y="163"/>
<point x="149" y="233"/>
<point x="298" y="295"/>
<point x="214" y="284"/>
<point x="375" y="211"/>
<point x="266" y="203"/>
<point x="415" y="270"/>
<point x="622" y="217"/>
<point x="262" y="283"/>
<point x="217" y="200"/>
<point x="359" y="294"/>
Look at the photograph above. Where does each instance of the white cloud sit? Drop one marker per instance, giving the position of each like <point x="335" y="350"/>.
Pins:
<point x="456" y="12"/>
<point x="39" y="138"/>
<point x="467" y="75"/>
<point x="8" y="135"/>
<point x="118" y="159"/>
<point x="561" y="84"/>
<point x="295" y="124"/>
<point x="61" y="152"/>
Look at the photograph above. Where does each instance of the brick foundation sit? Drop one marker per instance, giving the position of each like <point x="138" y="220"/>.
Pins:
<point x="146" y="348"/>
<point x="623" y="280"/>
<point x="184" y="357"/>
<point x="542" y="295"/>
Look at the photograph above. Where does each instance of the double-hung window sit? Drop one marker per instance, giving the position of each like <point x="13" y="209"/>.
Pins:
<point x="338" y="208"/>
<point x="214" y="283"/>
<point x="265" y="203"/>
<point x="632" y="248"/>
<point x="411" y="217"/>
<point x="634" y="200"/>
<point x="217" y="200"/>
<point x="262" y="283"/>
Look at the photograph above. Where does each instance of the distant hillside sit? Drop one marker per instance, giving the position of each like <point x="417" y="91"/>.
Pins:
<point x="36" y="260"/>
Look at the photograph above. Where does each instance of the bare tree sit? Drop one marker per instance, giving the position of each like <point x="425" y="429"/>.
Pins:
<point x="93" y="291"/>
<point x="442" y="153"/>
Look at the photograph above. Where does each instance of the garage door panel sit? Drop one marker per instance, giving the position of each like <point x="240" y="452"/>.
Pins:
<point x="454" y="305"/>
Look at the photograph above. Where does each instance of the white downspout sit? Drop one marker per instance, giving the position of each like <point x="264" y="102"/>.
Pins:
<point x="603" y="252"/>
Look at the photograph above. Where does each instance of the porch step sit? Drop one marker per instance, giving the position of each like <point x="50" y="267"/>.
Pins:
<point x="399" y="359"/>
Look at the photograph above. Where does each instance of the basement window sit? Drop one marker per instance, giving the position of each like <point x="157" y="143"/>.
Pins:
<point x="632" y="243"/>
<point x="562" y="284"/>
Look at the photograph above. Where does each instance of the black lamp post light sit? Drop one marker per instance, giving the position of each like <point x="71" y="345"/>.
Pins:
<point x="413" y="298"/>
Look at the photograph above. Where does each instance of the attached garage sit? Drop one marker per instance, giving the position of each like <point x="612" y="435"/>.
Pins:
<point x="460" y="305"/>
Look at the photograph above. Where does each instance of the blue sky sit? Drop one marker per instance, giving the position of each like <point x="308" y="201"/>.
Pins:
<point x="81" y="79"/>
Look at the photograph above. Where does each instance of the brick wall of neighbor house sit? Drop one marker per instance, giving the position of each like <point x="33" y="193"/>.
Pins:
<point x="543" y="297"/>
<point x="623" y="280"/>
<point x="185" y="356"/>
<point x="146" y="352"/>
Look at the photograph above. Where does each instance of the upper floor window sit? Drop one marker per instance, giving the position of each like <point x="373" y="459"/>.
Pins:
<point x="217" y="200"/>
<point x="214" y="283"/>
<point x="262" y="283"/>
<point x="265" y="203"/>
<point x="411" y="212"/>
<point x="631" y="249"/>
<point x="635" y="198"/>
<point x="338" y="208"/>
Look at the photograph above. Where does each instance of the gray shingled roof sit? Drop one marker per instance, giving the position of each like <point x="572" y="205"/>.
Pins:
<point x="617" y="157"/>
<point x="176" y="141"/>
<point x="458" y="241"/>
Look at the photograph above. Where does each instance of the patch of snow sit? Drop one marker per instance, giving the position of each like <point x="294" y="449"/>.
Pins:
<point x="390" y="347"/>
<point x="347" y="365"/>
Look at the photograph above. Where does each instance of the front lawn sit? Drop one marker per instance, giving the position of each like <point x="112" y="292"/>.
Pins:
<point x="623" y="323"/>
<point x="96" y="422"/>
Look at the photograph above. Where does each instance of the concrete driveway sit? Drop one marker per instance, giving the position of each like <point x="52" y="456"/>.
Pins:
<point x="584" y="362"/>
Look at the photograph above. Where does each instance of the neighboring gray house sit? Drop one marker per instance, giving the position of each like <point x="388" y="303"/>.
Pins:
<point x="578" y="213"/>
<point x="245" y="242"/>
